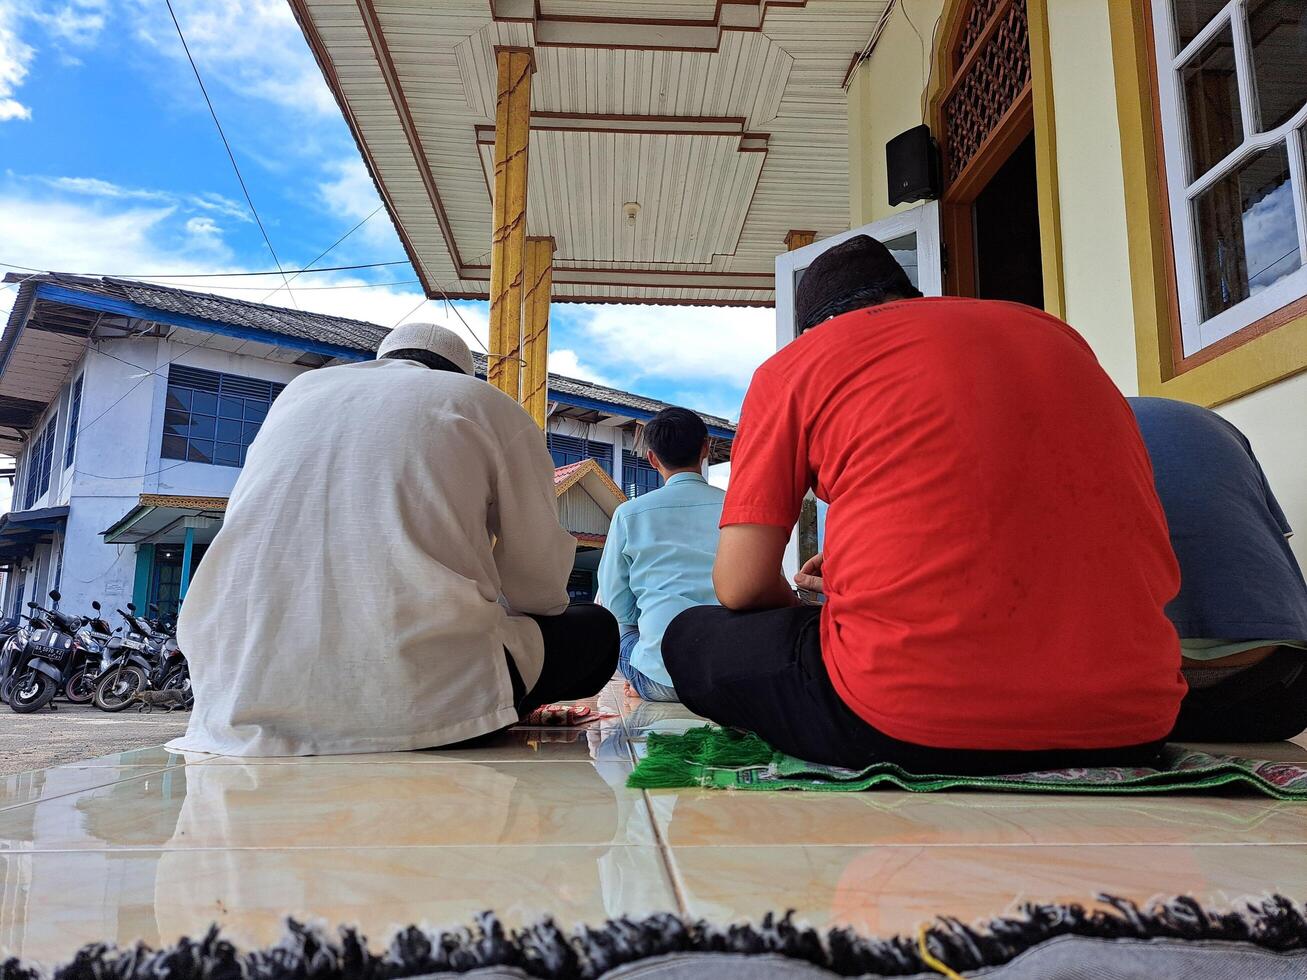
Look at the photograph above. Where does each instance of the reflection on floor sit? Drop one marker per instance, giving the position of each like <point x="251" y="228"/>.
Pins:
<point x="149" y="845"/>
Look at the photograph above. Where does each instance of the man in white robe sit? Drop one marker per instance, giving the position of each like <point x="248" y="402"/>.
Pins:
<point x="391" y="573"/>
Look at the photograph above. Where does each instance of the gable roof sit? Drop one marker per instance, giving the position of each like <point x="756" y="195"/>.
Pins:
<point x="592" y="478"/>
<point x="331" y="336"/>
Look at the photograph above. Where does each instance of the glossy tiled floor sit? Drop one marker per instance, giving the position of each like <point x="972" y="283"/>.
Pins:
<point x="149" y="845"/>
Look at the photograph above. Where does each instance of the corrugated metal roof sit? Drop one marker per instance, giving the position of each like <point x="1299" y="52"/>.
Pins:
<point x="356" y="335"/>
<point x="726" y="122"/>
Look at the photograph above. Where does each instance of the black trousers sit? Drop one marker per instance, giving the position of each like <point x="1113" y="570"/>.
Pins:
<point x="763" y="672"/>
<point x="580" y="658"/>
<point x="1265" y="703"/>
<point x="581" y="648"/>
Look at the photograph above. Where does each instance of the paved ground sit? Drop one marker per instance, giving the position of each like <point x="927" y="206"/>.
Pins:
<point x="77" y="732"/>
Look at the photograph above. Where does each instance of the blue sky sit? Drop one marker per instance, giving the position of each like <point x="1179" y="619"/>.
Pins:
<point x="109" y="163"/>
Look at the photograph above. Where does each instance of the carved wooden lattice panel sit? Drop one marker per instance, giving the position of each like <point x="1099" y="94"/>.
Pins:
<point x="994" y="68"/>
<point x="970" y="33"/>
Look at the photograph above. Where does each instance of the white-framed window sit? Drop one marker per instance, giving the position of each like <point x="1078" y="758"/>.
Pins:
<point x="1232" y="86"/>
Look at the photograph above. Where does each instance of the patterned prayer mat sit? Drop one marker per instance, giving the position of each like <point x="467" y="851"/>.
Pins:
<point x="718" y="758"/>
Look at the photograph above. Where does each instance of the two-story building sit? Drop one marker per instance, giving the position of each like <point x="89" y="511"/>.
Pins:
<point x="129" y="407"/>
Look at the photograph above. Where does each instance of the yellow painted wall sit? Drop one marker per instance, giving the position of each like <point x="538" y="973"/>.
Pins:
<point x="884" y="100"/>
<point x="1275" y="421"/>
<point x="1091" y="190"/>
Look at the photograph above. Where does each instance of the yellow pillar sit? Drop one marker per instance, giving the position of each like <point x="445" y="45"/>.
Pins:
<point x="808" y="513"/>
<point x="535" y="326"/>
<point x="512" y="130"/>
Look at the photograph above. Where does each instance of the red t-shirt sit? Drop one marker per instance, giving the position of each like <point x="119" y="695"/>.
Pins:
<point x="996" y="557"/>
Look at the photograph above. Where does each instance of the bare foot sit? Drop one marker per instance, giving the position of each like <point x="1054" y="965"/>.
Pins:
<point x="629" y="691"/>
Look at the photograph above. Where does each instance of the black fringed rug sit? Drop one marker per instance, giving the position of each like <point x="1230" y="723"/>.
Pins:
<point x="1264" y="940"/>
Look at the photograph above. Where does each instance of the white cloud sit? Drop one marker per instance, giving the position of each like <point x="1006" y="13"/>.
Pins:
<point x="207" y="201"/>
<point x="253" y="47"/>
<point x="15" y="59"/>
<point x="107" y="235"/>
<point x="78" y="22"/>
<point x="568" y="363"/>
<point x="679" y="343"/>
<point x="351" y="195"/>
<point x="95" y="187"/>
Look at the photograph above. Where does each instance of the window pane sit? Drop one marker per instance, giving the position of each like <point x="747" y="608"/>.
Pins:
<point x="202" y="426"/>
<point x="174" y="447"/>
<point x="255" y="411"/>
<point x="229" y="431"/>
<point x="227" y="454"/>
<point x="251" y="430"/>
<point x="179" y="398"/>
<point x="904" y="249"/>
<point x="1191" y="16"/>
<point x="200" y="451"/>
<point x="1211" y="94"/>
<point x="1278" y="29"/>
<point x="205" y="402"/>
<point x="230" y="408"/>
<point x="1247" y="234"/>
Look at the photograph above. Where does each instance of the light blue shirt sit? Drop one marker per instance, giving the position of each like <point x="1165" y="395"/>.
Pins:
<point x="658" y="562"/>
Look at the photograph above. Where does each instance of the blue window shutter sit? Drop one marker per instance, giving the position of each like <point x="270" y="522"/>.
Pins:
<point x="74" y="418"/>
<point x="212" y="417"/>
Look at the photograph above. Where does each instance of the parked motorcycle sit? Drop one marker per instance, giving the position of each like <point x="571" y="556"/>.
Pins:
<point x="92" y="640"/>
<point x="47" y="661"/>
<point x="127" y="666"/>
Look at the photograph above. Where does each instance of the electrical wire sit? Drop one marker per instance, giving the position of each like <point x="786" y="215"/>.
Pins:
<point x="207" y="275"/>
<point x="322" y="253"/>
<point x="230" y="156"/>
<point x="421" y="303"/>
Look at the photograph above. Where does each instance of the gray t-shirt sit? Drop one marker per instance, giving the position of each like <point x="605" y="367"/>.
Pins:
<point x="1239" y="579"/>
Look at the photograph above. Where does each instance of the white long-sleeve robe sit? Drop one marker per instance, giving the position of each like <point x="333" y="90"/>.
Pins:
<point x="351" y="600"/>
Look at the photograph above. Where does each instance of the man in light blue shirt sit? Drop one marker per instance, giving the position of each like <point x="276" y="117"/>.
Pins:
<point x="661" y="546"/>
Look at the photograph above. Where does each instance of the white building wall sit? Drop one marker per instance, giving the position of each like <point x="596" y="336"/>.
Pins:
<point x="172" y="476"/>
<point x="117" y="458"/>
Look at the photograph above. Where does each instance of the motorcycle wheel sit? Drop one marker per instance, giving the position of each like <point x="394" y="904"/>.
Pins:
<point x="80" y="688"/>
<point x="6" y="689"/>
<point x="113" y="691"/>
<point x="179" y="679"/>
<point x="31" y="692"/>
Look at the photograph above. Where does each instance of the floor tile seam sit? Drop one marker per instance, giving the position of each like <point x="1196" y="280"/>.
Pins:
<point x="657" y="843"/>
<point x="999" y="845"/>
<point x="400" y="762"/>
<point x="665" y="856"/>
<point x="88" y="789"/>
<point x="290" y="848"/>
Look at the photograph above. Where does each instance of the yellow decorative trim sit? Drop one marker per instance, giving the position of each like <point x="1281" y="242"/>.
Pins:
<point x="584" y="469"/>
<point x="1259" y="362"/>
<point x="1046" y="184"/>
<point x="1041" y="71"/>
<point x="183" y="503"/>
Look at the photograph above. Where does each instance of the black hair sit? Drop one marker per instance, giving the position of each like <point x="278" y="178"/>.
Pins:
<point x="677" y="436"/>
<point x="857" y="300"/>
<point x="425" y="357"/>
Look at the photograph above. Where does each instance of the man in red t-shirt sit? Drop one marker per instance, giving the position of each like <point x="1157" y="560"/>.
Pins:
<point x="996" y="560"/>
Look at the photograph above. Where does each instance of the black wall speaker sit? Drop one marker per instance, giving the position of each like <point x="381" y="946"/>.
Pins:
<point x="912" y="161"/>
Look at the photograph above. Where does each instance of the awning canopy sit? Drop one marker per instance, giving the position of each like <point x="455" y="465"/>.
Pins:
<point x="21" y="532"/>
<point x="161" y="519"/>
<point x="672" y="144"/>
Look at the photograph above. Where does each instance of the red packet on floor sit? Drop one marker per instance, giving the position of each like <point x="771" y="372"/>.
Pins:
<point x="563" y="716"/>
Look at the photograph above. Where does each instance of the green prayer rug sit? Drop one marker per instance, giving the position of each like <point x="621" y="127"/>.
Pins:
<point x="717" y="758"/>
